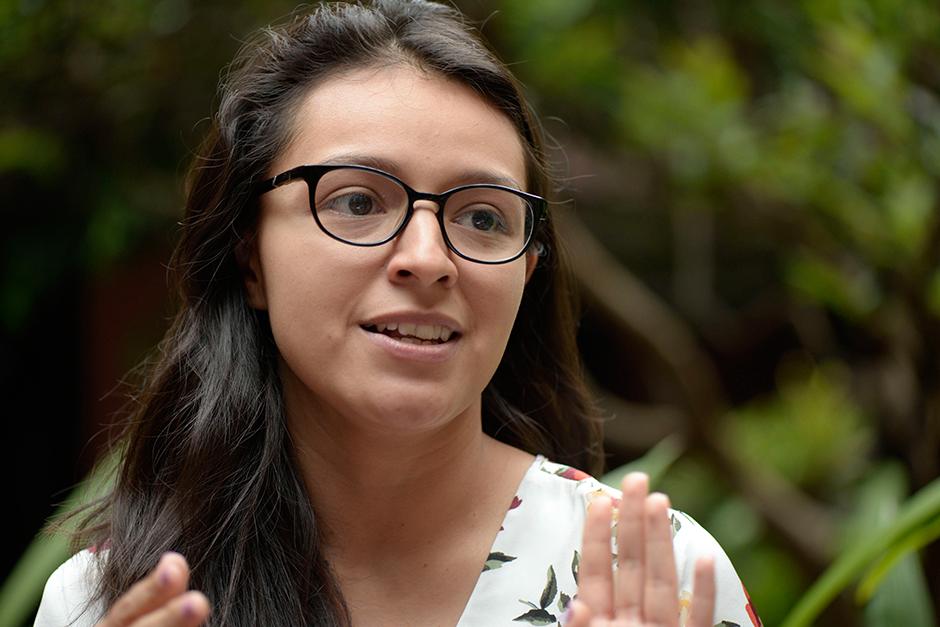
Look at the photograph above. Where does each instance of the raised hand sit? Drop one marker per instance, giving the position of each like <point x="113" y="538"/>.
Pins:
<point x="160" y="599"/>
<point x="644" y="591"/>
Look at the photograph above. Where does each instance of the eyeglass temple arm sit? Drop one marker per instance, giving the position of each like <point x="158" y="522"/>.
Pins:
<point x="276" y="181"/>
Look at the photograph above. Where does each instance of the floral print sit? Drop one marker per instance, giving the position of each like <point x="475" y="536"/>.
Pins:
<point x="542" y="534"/>
<point x="539" y="614"/>
<point x="495" y="560"/>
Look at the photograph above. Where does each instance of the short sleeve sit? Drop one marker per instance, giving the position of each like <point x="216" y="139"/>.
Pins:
<point x="690" y="541"/>
<point x="66" y="595"/>
<point x="732" y="604"/>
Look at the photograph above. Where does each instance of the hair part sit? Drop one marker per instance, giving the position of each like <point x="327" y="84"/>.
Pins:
<point x="207" y="467"/>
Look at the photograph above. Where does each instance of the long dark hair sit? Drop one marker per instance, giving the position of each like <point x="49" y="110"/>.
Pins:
<point x="206" y="465"/>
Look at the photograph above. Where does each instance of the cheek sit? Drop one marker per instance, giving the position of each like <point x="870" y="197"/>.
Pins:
<point x="307" y="298"/>
<point x="497" y="299"/>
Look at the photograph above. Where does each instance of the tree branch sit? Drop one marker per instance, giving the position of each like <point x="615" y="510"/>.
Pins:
<point x="803" y="525"/>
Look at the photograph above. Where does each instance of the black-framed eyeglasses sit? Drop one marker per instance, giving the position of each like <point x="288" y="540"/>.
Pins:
<point x="364" y="206"/>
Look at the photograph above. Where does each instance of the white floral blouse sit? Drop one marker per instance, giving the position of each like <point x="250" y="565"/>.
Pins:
<point x="531" y="571"/>
<point x="532" y="568"/>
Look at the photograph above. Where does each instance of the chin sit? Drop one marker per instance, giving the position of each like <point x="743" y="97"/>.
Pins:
<point x="414" y="413"/>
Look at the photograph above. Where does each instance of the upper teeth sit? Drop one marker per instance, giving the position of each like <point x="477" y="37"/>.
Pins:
<point x="422" y="331"/>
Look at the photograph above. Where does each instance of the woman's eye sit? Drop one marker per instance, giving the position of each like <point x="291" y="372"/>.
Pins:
<point x="354" y="203"/>
<point x="481" y="219"/>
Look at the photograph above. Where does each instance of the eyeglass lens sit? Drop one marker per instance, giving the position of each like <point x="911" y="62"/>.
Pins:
<point x="364" y="207"/>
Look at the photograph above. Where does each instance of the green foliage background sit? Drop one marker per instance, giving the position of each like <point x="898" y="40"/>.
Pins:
<point x="768" y="171"/>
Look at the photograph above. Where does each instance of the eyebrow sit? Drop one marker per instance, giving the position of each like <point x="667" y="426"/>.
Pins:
<point x="464" y="177"/>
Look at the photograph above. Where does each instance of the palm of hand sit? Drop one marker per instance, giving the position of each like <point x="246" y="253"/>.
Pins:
<point x="644" y="590"/>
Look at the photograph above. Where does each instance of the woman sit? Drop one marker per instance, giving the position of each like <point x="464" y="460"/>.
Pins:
<point x="373" y="362"/>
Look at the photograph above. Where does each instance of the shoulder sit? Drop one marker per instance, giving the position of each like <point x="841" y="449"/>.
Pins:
<point x="531" y="571"/>
<point x="564" y="486"/>
<point x="551" y="504"/>
<point x="690" y="542"/>
<point x="66" y="596"/>
<point x="567" y="488"/>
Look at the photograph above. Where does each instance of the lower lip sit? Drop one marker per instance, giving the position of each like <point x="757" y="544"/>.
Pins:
<point x="427" y="353"/>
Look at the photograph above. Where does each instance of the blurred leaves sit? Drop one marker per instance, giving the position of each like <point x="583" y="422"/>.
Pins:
<point x="101" y="112"/>
<point x="881" y="526"/>
<point x="655" y="463"/>
<point x="32" y="152"/>
<point x="811" y="430"/>
<point x="804" y="138"/>
<point x="846" y="288"/>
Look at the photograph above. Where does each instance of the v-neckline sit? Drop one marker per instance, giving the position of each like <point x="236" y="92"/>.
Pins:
<point x="527" y="475"/>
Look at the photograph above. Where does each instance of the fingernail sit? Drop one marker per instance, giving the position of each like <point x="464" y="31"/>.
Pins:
<point x="165" y="575"/>
<point x="189" y="610"/>
<point x="661" y="497"/>
<point x="636" y="482"/>
<point x="566" y="615"/>
<point x="164" y="570"/>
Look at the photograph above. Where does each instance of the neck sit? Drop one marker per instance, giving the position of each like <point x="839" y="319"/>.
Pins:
<point x="380" y="495"/>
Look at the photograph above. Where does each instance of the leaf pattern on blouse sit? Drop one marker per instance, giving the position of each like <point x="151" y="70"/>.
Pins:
<point x="536" y="617"/>
<point x="539" y="614"/>
<point x="496" y="560"/>
<point x="541" y="536"/>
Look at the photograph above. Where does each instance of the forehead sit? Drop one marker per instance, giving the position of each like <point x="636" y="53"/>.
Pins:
<point x="428" y="127"/>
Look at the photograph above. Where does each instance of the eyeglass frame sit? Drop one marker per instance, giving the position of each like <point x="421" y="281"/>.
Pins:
<point x="311" y="174"/>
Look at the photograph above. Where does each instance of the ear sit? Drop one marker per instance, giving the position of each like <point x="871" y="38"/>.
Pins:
<point x="249" y="262"/>
<point x="531" y="261"/>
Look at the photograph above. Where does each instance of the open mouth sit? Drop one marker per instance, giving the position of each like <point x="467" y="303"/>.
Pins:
<point x="427" y="334"/>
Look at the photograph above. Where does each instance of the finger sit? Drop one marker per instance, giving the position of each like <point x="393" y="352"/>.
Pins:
<point x="187" y="610"/>
<point x="660" y="593"/>
<point x="703" y="593"/>
<point x="580" y="616"/>
<point x="631" y="547"/>
<point x="577" y="615"/>
<point x="595" y="576"/>
<point x="167" y="580"/>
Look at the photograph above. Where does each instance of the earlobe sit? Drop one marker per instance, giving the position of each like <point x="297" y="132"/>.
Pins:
<point x="249" y="263"/>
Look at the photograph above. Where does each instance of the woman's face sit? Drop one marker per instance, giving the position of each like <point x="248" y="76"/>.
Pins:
<point x="327" y="300"/>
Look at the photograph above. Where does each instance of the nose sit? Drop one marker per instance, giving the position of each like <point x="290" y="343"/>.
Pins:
<point x="420" y="254"/>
